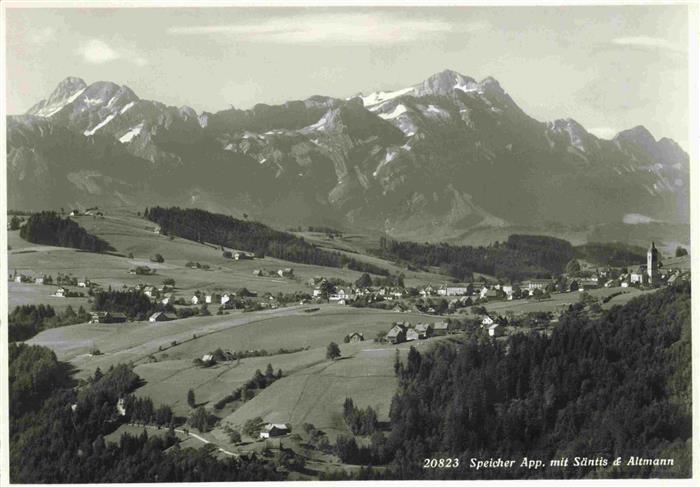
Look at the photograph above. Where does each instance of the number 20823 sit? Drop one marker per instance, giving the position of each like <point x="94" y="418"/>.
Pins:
<point x="440" y="462"/>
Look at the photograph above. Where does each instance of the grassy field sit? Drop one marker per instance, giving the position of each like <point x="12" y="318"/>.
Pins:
<point x="559" y="302"/>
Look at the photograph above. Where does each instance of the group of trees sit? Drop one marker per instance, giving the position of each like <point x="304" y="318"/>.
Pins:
<point x="226" y="231"/>
<point x="134" y="304"/>
<point x="247" y="391"/>
<point x="49" y="228"/>
<point x="27" y="320"/>
<point x="360" y="421"/>
<point x="141" y="410"/>
<point x="57" y="431"/>
<point x="611" y="384"/>
<point x="520" y="257"/>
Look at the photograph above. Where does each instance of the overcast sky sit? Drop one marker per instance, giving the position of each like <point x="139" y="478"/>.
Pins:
<point x="609" y="68"/>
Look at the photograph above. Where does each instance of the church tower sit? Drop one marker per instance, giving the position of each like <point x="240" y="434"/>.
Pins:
<point x="653" y="265"/>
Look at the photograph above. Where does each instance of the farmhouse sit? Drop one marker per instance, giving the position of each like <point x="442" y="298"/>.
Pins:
<point x="427" y="290"/>
<point x="533" y="284"/>
<point x="495" y="330"/>
<point x="591" y="283"/>
<point x="271" y="430"/>
<point x="241" y="256"/>
<point x="225" y="298"/>
<point x="195" y="299"/>
<point x="257" y="272"/>
<point x="39" y="280"/>
<point x="121" y="407"/>
<point x="60" y="292"/>
<point x="412" y="334"/>
<point x="150" y="291"/>
<point x="107" y="317"/>
<point x="440" y="328"/>
<point x="424" y="330"/>
<point x="158" y="316"/>
<point x="356" y="337"/>
<point x="397" y="334"/>
<point x="487" y="320"/>
<point x="19" y="278"/>
<point x="286" y="272"/>
<point x="83" y="282"/>
<point x="455" y="291"/>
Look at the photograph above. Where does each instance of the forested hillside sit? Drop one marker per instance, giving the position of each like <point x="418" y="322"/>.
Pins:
<point x="612" y="253"/>
<point x="57" y="432"/>
<point x="614" y="386"/>
<point x="521" y="256"/>
<point x="202" y="226"/>
<point x="48" y="228"/>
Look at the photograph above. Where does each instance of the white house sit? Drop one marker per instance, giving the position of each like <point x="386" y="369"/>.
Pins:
<point x="270" y="430"/>
<point x="60" y="293"/>
<point x="225" y="298"/>
<point x="455" y="291"/>
<point x="487" y="321"/>
<point x="18" y="278"/>
<point x="207" y="299"/>
<point x="495" y="330"/>
<point x="83" y="283"/>
<point x="39" y="280"/>
<point x="637" y="277"/>
<point x="195" y="299"/>
<point x="158" y="316"/>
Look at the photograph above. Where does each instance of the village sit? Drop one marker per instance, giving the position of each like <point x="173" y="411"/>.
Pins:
<point x="447" y="299"/>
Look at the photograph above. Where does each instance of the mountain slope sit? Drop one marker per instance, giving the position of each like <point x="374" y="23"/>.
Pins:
<point x="443" y="157"/>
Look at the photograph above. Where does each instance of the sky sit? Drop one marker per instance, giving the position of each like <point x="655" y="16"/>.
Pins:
<point x="610" y="68"/>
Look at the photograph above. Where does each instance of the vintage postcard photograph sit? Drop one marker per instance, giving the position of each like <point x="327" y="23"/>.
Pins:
<point x="332" y="242"/>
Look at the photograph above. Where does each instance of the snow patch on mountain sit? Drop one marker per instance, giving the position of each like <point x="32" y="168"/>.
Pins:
<point x="433" y="112"/>
<point x="462" y="85"/>
<point x="133" y="132"/>
<point x="381" y="96"/>
<point x="97" y="127"/>
<point x="126" y="107"/>
<point x="396" y="112"/>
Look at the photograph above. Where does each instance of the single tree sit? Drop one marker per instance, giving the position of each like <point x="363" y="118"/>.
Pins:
<point x="190" y="398"/>
<point x="681" y="251"/>
<point x="14" y="223"/>
<point x="333" y="351"/>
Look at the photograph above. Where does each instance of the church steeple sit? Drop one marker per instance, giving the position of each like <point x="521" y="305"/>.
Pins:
<point x="653" y="264"/>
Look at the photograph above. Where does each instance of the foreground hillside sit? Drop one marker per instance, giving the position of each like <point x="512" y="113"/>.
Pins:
<point x="441" y="159"/>
<point x="601" y="388"/>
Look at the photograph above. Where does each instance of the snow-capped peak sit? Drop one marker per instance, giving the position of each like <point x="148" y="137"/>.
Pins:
<point x="66" y="92"/>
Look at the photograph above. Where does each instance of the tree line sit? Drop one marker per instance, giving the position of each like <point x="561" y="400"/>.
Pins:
<point x="520" y="257"/>
<point x="48" y="228"/>
<point x="25" y="321"/>
<point x="226" y="231"/>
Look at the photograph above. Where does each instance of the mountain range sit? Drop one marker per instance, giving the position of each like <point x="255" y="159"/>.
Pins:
<point x="442" y="159"/>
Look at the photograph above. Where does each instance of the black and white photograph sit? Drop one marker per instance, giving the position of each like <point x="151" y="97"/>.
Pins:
<point x="321" y="241"/>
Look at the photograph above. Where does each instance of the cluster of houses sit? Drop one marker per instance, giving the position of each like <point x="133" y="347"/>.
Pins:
<point x="403" y="331"/>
